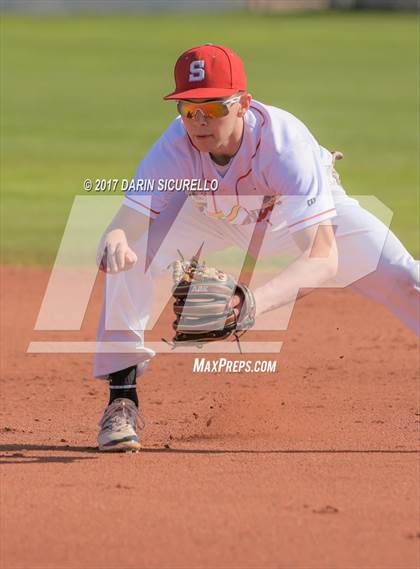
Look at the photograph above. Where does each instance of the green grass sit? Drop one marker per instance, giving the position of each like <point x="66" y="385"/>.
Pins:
<point x="82" y="97"/>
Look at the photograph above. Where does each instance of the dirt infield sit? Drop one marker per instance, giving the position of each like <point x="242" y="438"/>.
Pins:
<point x="315" y="466"/>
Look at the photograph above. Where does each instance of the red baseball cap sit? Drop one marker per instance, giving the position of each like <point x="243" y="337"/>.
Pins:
<point x="208" y="72"/>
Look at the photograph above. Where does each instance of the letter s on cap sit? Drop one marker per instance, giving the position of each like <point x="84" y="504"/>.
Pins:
<point x="197" y="70"/>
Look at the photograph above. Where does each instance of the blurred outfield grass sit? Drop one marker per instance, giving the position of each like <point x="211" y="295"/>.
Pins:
<point x="81" y="97"/>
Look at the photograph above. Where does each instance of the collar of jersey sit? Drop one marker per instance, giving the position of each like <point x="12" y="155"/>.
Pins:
<point x="224" y="180"/>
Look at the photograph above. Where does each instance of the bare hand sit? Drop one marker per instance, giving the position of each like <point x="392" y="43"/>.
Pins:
<point x="114" y="253"/>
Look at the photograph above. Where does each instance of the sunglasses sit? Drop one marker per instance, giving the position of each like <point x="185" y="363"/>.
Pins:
<point x="213" y="109"/>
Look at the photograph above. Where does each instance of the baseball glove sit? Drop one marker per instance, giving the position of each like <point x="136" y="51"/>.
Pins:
<point x="202" y="304"/>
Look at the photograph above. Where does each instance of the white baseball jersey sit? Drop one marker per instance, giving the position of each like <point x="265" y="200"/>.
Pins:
<point x="278" y="157"/>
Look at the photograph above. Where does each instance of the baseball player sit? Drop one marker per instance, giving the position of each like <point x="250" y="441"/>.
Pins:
<point x="273" y="178"/>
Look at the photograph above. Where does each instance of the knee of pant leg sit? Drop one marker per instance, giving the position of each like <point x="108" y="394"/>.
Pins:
<point x="416" y="274"/>
<point x="414" y="280"/>
<point x="406" y="279"/>
<point x="405" y="298"/>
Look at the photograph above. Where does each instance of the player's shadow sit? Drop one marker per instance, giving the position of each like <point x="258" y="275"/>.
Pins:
<point x="18" y="455"/>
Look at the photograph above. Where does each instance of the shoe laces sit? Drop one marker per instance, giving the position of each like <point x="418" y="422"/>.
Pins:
<point x="119" y="414"/>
